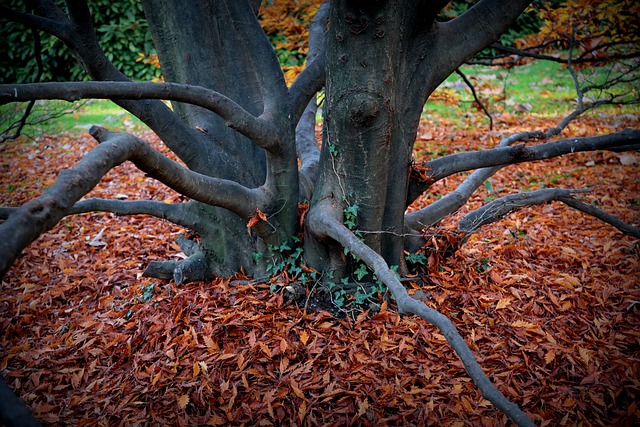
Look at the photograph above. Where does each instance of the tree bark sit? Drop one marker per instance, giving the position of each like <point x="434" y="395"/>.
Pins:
<point x="198" y="44"/>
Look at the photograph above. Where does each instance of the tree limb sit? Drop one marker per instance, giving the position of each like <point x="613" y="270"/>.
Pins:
<point x="81" y="39"/>
<point x="503" y="206"/>
<point x="312" y="78"/>
<point x="267" y="66"/>
<point x="41" y="214"/>
<point x="323" y="224"/>
<point x="308" y="152"/>
<point x="50" y="25"/>
<point x="480" y="26"/>
<point x="531" y="53"/>
<point x="213" y="191"/>
<point x="602" y="215"/>
<point x="436" y="211"/>
<point x="20" y="123"/>
<point x="306" y="146"/>
<point x="35" y="217"/>
<point x="260" y="131"/>
<point x="442" y="167"/>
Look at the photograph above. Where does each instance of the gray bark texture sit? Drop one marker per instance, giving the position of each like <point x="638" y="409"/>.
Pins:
<point x="248" y="145"/>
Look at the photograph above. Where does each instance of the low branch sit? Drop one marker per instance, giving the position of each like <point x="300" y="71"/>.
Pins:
<point x="436" y="211"/>
<point x="307" y="151"/>
<point x="178" y="213"/>
<point x="209" y="190"/>
<point x="193" y="269"/>
<point x="55" y="23"/>
<point x="602" y="215"/>
<point x="267" y="67"/>
<point x="503" y="206"/>
<point x="323" y="224"/>
<point x="442" y="167"/>
<point x="260" y="131"/>
<point x="306" y="146"/>
<point x="160" y="210"/>
<point x="37" y="216"/>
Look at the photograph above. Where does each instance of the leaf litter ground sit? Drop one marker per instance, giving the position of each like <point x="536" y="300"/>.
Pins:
<point x="547" y="299"/>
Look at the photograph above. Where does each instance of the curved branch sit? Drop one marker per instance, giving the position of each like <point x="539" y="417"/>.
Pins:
<point x="323" y="224"/>
<point x="77" y="32"/>
<point x="260" y="131"/>
<point x="312" y="78"/>
<point x="442" y="167"/>
<point x="602" y="215"/>
<point x="39" y="215"/>
<point x="479" y="26"/>
<point x="255" y="41"/>
<point x="308" y="151"/>
<point x="213" y="191"/>
<point x="35" y="217"/>
<point x="124" y="207"/>
<point x="179" y="213"/>
<point x="306" y="146"/>
<point x="22" y="122"/>
<point x="436" y="211"/>
<point x="527" y="53"/>
<point x="503" y="206"/>
<point x="53" y="26"/>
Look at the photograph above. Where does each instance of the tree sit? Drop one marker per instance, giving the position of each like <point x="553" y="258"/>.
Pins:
<point x="251" y="159"/>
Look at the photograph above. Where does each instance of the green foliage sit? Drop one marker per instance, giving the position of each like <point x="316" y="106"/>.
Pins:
<point x="147" y="292"/>
<point x="482" y="265"/>
<point x="350" y="216"/>
<point x="122" y="32"/>
<point x="417" y="258"/>
<point x="287" y="258"/>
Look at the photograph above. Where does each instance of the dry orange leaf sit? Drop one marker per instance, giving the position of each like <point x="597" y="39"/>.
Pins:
<point x="183" y="401"/>
<point x="504" y="302"/>
<point x="304" y="337"/>
<point x="549" y="356"/>
<point x="255" y="218"/>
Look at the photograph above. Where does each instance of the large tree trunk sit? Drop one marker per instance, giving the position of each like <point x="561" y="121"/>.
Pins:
<point x="371" y="115"/>
<point x="195" y="49"/>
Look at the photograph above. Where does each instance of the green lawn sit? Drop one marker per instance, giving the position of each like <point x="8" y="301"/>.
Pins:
<point x="52" y="117"/>
<point x="538" y="88"/>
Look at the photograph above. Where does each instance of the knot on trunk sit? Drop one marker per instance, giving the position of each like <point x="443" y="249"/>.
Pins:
<point x="363" y="109"/>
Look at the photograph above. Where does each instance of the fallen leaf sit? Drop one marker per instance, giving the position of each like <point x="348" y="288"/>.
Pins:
<point x="183" y="401"/>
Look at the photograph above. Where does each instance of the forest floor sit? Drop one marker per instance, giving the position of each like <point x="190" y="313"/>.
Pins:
<point x="548" y="299"/>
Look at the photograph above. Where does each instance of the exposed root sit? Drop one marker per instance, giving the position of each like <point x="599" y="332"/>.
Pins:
<point x="324" y="225"/>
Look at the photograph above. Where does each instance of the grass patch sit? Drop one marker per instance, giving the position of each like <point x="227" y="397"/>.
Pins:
<point x="540" y="88"/>
<point x="54" y="117"/>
